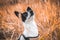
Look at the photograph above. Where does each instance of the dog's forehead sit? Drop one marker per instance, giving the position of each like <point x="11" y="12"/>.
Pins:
<point x="25" y="13"/>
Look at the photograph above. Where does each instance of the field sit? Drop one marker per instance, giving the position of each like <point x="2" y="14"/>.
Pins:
<point x="47" y="17"/>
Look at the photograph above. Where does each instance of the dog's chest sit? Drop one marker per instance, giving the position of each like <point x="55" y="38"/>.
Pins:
<point x="30" y="29"/>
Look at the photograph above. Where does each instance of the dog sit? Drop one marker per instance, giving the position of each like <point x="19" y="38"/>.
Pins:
<point x="30" y="27"/>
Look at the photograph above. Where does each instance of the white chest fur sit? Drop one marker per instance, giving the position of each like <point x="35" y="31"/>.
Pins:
<point x="30" y="29"/>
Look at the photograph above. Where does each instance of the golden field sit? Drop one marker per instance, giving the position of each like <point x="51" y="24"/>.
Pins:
<point x="47" y="17"/>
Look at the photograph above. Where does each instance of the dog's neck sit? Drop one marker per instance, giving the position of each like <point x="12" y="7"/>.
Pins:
<point x="30" y="28"/>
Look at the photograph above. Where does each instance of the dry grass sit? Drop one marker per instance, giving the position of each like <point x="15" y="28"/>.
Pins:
<point x="47" y="16"/>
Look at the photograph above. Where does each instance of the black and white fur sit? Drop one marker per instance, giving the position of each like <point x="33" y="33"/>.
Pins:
<point x="30" y="27"/>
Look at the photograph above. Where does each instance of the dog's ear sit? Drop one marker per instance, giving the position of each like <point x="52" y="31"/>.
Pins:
<point x="16" y="13"/>
<point x="29" y="9"/>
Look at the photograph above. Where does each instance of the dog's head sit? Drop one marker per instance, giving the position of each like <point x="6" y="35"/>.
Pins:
<point x="26" y="15"/>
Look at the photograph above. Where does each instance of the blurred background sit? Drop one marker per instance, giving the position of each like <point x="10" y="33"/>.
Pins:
<point x="47" y="17"/>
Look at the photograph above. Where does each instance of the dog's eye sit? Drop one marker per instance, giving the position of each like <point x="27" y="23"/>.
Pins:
<point x="16" y="13"/>
<point x="31" y="12"/>
<point x="25" y="14"/>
